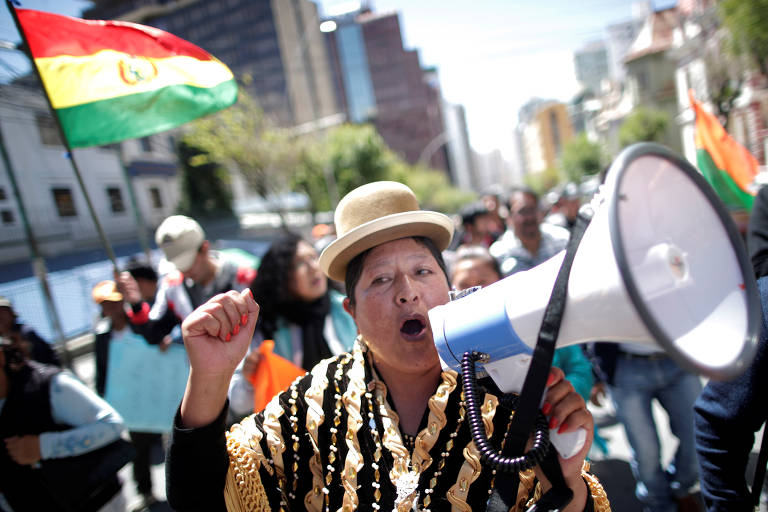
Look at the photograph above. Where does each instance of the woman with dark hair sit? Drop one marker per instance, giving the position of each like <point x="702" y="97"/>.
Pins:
<point x="304" y="317"/>
<point x="382" y="427"/>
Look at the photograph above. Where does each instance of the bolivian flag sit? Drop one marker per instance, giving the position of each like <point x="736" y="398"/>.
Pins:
<point x="727" y="165"/>
<point x="112" y="80"/>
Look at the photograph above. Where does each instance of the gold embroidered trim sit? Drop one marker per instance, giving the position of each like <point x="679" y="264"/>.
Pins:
<point x="472" y="467"/>
<point x="391" y="423"/>
<point x="596" y="491"/>
<point x="599" y="497"/>
<point x="353" y="462"/>
<point x="527" y="483"/>
<point x="243" y="490"/>
<point x="274" y="439"/>
<point x="426" y="439"/>
<point x="240" y="496"/>
<point x="315" y="417"/>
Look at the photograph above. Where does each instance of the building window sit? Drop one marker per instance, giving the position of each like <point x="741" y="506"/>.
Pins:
<point x="49" y="133"/>
<point x="155" y="198"/>
<point x="65" y="203"/>
<point x="7" y="216"/>
<point x="146" y="144"/>
<point x="3" y="197"/>
<point x="115" y="199"/>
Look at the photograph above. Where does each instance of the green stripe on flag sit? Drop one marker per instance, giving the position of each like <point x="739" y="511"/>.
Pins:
<point x="729" y="192"/>
<point x="137" y="115"/>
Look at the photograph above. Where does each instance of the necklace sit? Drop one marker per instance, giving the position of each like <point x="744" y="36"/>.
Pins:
<point x="409" y="441"/>
<point x="334" y="429"/>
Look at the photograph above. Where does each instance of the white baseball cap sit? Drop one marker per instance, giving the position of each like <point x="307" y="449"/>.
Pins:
<point x="180" y="238"/>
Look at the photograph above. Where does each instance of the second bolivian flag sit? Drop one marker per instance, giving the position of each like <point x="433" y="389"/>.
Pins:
<point x="110" y="80"/>
<point x="727" y="165"/>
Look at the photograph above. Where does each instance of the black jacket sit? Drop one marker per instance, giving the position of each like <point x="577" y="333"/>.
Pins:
<point x="727" y="415"/>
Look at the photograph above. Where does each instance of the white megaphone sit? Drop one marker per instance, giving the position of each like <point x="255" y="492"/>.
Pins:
<point x="661" y="264"/>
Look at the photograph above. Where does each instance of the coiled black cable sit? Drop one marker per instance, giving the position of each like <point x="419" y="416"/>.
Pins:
<point x="488" y="455"/>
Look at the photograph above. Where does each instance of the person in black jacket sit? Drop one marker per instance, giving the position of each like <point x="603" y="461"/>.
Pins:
<point x="757" y="233"/>
<point x="48" y="417"/>
<point x="727" y="416"/>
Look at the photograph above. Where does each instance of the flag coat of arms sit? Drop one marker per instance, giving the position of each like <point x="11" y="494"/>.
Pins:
<point x="111" y="80"/>
<point x="727" y="165"/>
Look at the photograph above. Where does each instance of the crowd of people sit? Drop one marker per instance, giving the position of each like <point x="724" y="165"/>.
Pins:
<point x="373" y="421"/>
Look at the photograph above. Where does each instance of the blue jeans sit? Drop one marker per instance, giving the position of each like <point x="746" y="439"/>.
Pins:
<point x="637" y="382"/>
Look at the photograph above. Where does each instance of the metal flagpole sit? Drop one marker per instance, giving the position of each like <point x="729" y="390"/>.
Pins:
<point x="38" y="264"/>
<point x="64" y="140"/>
<point x="140" y="226"/>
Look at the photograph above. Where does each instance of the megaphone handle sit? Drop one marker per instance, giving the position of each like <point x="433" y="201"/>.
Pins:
<point x="568" y="444"/>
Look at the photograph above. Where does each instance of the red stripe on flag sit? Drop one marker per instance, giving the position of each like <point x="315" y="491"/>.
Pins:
<point x="51" y="35"/>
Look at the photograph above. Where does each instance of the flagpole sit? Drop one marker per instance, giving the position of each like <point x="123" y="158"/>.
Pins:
<point x="38" y="263"/>
<point x="64" y="140"/>
<point x="140" y="226"/>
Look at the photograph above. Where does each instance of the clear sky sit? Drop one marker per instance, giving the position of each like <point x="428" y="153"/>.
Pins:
<point x="492" y="55"/>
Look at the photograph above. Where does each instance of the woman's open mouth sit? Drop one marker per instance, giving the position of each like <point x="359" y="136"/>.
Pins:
<point x="413" y="328"/>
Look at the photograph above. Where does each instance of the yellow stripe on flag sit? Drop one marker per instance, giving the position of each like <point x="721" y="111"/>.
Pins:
<point x="107" y="74"/>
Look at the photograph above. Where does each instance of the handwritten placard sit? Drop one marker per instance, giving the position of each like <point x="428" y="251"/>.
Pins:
<point x="145" y="385"/>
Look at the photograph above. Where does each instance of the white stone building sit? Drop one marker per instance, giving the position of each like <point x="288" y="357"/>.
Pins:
<point x="56" y="208"/>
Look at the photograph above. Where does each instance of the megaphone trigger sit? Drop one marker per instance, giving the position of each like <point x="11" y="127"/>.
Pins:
<point x="568" y="444"/>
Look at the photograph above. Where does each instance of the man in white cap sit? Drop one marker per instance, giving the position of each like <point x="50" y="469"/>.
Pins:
<point x="199" y="275"/>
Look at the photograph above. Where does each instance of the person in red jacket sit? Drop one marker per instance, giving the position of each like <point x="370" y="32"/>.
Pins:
<point x="200" y="273"/>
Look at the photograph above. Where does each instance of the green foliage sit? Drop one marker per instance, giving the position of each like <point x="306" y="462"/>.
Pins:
<point x="581" y="157"/>
<point x="747" y="20"/>
<point x="272" y="160"/>
<point x="351" y="154"/>
<point x="242" y="135"/>
<point x="543" y="181"/>
<point x="205" y="191"/>
<point x="643" y="125"/>
<point x="432" y="188"/>
<point x="356" y="155"/>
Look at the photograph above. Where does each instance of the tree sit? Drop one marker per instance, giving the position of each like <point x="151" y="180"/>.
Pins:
<point x="643" y="125"/>
<point x="242" y="136"/>
<point x="543" y="181"/>
<point x="581" y="157"/>
<point x="355" y="155"/>
<point x="746" y="20"/>
<point x="205" y="191"/>
<point x="352" y="154"/>
<point x="433" y="189"/>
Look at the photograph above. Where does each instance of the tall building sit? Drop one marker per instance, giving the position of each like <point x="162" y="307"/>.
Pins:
<point x="545" y="128"/>
<point x="591" y="65"/>
<point x="378" y="80"/>
<point x="651" y="69"/>
<point x="459" y="151"/>
<point x="620" y="39"/>
<point x="274" y="47"/>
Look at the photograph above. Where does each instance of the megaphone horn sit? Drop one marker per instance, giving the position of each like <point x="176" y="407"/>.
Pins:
<point x="660" y="265"/>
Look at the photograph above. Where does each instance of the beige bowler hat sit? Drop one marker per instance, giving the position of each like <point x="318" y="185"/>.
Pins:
<point x="376" y="213"/>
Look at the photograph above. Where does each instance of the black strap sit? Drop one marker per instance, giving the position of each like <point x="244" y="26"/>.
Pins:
<point x="505" y="492"/>
<point x="762" y="460"/>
